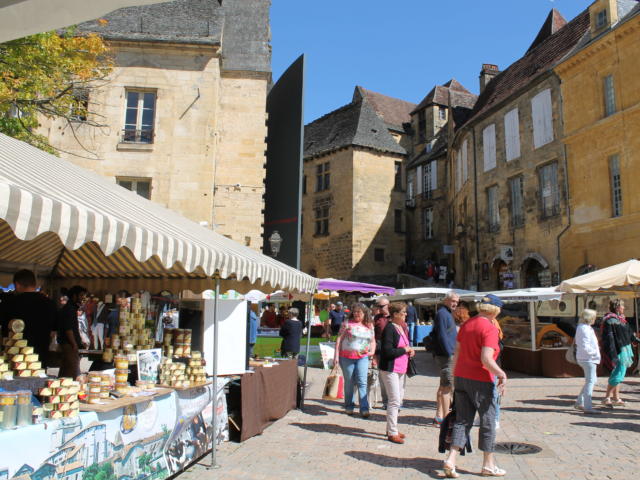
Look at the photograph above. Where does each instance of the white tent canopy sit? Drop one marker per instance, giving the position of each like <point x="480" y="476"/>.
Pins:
<point x="69" y="222"/>
<point x="621" y="277"/>
<point x="435" y="293"/>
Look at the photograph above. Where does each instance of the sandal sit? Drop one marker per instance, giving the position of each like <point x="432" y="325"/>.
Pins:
<point x="607" y="403"/>
<point x="437" y="422"/>
<point x="494" y="471"/>
<point x="449" y="471"/>
<point x="618" y="402"/>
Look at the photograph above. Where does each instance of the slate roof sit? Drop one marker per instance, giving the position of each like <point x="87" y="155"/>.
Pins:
<point x="356" y="123"/>
<point x="439" y="95"/>
<point x="393" y="111"/>
<point x="438" y="148"/>
<point x="534" y="63"/>
<point x="245" y="24"/>
<point x="554" y="22"/>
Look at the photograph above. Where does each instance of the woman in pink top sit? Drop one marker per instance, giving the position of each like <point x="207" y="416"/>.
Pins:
<point x="354" y="346"/>
<point x="394" y="359"/>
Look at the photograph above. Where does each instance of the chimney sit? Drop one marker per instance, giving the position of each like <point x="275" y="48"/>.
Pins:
<point x="486" y="74"/>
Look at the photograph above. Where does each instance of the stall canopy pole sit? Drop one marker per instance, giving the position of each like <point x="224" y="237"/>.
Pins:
<point x="306" y="360"/>
<point x="532" y="323"/>
<point x="214" y="413"/>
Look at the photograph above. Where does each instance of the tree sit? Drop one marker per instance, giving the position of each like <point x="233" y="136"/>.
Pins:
<point x="51" y="75"/>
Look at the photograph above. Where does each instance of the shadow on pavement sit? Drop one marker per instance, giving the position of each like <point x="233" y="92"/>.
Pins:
<point x="338" y="430"/>
<point x="428" y="466"/>
<point x="419" y="404"/>
<point x="632" y="427"/>
<point x="550" y="403"/>
<point x="318" y="410"/>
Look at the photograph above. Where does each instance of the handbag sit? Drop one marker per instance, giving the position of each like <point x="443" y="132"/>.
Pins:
<point x="334" y="386"/>
<point x="412" y="370"/>
<point x="570" y="355"/>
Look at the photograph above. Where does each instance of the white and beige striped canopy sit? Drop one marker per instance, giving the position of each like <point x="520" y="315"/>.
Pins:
<point x="72" y="223"/>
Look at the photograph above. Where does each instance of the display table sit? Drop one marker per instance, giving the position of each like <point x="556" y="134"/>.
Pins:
<point x="554" y="364"/>
<point x="155" y="438"/>
<point x="115" y="403"/>
<point x="267" y="394"/>
<point x="419" y="332"/>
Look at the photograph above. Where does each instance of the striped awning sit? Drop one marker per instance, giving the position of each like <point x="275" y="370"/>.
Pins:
<point x="56" y="215"/>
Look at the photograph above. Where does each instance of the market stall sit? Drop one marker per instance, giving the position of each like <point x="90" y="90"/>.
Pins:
<point x="73" y="226"/>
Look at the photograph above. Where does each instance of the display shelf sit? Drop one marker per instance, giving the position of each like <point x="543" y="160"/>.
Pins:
<point x="115" y="403"/>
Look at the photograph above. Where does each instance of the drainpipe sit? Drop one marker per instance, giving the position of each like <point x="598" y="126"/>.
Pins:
<point x="475" y="194"/>
<point x="566" y="191"/>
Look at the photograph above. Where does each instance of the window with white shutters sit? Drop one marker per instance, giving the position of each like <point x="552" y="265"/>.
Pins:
<point x="465" y="164"/>
<point x="489" y="147"/>
<point x="493" y="210"/>
<point x="616" y="185"/>
<point x="549" y="190"/>
<point x="609" y="96"/>
<point x="411" y="180"/>
<point x="542" y="118"/>
<point x="512" y="134"/>
<point x="430" y="178"/>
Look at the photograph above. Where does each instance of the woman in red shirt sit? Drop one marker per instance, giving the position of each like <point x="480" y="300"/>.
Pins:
<point x="477" y="348"/>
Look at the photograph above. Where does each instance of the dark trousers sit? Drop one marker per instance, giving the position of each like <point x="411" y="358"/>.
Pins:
<point x="70" y="365"/>
<point x="473" y="396"/>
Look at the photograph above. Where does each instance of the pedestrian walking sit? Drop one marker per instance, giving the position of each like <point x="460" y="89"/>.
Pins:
<point x="380" y="320"/>
<point x="394" y="361"/>
<point x="588" y="357"/>
<point x="475" y="369"/>
<point x="291" y="331"/>
<point x="355" y="345"/>
<point x="444" y="330"/>
<point x="616" y="343"/>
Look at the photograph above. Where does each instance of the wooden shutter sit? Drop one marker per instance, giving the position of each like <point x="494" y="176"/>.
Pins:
<point x="489" y="147"/>
<point x="542" y="118"/>
<point x="434" y="175"/>
<point x="419" y="180"/>
<point x="465" y="165"/>
<point x="512" y="134"/>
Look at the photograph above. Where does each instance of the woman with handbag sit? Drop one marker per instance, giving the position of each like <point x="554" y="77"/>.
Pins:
<point x="355" y="345"/>
<point x="477" y="348"/>
<point x="395" y="354"/>
<point x="588" y="357"/>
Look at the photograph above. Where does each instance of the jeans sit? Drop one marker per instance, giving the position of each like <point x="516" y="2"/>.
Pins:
<point x="590" y="379"/>
<point x="394" y="383"/>
<point x="355" y="372"/>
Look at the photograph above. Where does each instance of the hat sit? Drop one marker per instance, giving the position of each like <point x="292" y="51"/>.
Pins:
<point x="338" y="303"/>
<point x="492" y="299"/>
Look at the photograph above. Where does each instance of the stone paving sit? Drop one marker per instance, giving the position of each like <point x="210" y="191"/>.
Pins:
<point x="321" y="442"/>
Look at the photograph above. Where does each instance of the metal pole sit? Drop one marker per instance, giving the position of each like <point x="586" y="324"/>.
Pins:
<point x="532" y="322"/>
<point x="306" y="360"/>
<point x="214" y="415"/>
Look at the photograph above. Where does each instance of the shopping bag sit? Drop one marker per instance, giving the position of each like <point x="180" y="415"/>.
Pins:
<point x="334" y="386"/>
<point x="412" y="370"/>
<point x="570" y="355"/>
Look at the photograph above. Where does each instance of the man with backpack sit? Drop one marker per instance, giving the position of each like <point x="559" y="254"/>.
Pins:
<point x="443" y="347"/>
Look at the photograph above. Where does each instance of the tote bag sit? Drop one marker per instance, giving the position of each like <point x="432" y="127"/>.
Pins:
<point x="334" y="386"/>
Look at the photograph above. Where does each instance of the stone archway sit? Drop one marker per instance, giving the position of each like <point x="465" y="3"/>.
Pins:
<point x="531" y="269"/>
<point x="499" y="268"/>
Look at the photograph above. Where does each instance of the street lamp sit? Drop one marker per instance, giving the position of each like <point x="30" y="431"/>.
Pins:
<point x="275" y="240"/>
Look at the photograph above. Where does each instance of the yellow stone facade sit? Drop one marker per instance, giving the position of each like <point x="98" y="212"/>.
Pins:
<point x="208" y="153"/>
<point x="362" y="202"/>
<point x="599" y="235"/>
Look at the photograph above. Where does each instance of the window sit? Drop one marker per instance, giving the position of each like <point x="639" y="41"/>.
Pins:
<point x="489" y="147"/>
<point x="458" y="180"/>
<point x="398" y="176"/>
<point x="430" y="178"/>
<point x="422" y="125"/>
<point x="304" y="184"/>
<point x="322" y="177"/>
<point x="139" y="116"/>
<point x="549" y="191"/>
<point x="517" y="201"/>
<point x="442" y="112"/>
<point x="542" y="118"/>
<point x="512" y="134"/>
<point x="142" y="186"/>
<point x="397" y="221"/>
<point x="378" y="254"/>
<point x="411" y="179"/>
<point x="427" y="223"/>
<point x="601" y="18"/>
<point x="80" y="105"/>
<point x="609" y="96"/>
<point x="322" y="220"/>
<point x="616" y="186"/>
<point x="493" y="210"/>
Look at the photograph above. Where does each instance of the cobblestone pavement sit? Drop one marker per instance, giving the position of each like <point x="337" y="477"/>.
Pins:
<point x="321" y="442"/>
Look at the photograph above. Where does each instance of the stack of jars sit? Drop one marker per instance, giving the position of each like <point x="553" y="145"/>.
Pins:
<point x="98" y="388"/>
<point x="16" y="409"/>
<point x="5" y="373"/>
<point x="60" y="398"/>
<point x="173" y="374"/>
<point x="122" y="373"/>
<point x="195" y="370"/>
<point x="177" y="342"/>
<point x="132" y="334"/>
<point x="24" y="362"/>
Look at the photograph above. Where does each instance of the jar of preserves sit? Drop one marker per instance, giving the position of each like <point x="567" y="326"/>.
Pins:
<point x="8" y="409"/>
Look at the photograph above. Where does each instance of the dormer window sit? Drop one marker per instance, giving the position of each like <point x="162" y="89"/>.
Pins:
<point x="601" y="19"/>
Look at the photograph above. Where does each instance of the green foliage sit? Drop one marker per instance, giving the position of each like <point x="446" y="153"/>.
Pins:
<point x="103" y="471"/>
<point x="51" y="75"/>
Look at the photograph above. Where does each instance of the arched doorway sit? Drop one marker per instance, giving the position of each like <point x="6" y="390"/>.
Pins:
<point x="500" y="269"/>
<point x="531" y="270"/>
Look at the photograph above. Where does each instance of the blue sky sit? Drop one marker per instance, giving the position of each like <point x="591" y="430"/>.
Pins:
<point x="401" y="48"/>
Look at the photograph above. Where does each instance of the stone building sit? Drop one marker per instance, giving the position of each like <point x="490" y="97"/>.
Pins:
<point x="183" y="111"/>
<point x="428" y="226"/>
<point x="509" y="196"/>
<point x="601" y="112"/>
<point x="353" y="190"/>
